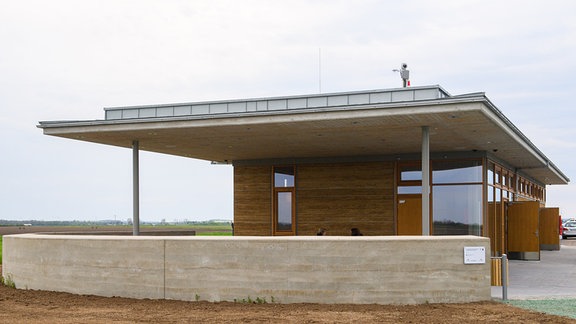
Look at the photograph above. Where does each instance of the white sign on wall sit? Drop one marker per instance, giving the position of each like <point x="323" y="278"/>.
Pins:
<point x="474" y="255"/>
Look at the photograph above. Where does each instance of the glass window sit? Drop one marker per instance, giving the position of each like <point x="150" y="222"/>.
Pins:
<point x="283" y="177"/>
<point x="284" y="198"/>
<point x="284" y="211"/>
<point x="407" y="190"/>
<point x="456" y="171"/>
<point x="490" y="176"/>
<point x="411" y="172"/>
<point x="457" y="210"/>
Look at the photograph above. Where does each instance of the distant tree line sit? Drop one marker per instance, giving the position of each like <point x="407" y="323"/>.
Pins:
<point x="5" y="222"/>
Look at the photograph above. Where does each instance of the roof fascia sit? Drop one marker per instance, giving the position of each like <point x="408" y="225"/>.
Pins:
<point x="515" y="132"/>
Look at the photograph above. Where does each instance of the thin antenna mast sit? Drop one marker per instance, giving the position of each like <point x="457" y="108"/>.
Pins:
<point x="319" y="70"/>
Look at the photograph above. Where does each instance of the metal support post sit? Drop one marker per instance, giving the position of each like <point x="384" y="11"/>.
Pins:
<point x="135" y="189"/>
<point x="425" y="180"/>
<point x="504" y="270"/>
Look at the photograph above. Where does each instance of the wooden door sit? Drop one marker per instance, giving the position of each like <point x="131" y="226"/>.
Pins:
<point x="550" y="229"/>
<point x="409" y="220"/>
<point x="523" y="230"/>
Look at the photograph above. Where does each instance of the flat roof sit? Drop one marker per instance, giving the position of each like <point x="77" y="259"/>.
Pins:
<point x="360" y="123"/>
<point x="307" y="102"/>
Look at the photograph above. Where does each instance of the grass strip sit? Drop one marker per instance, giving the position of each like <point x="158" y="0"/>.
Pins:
<point x="562" y="307"/>
<point x="214" y="234"/>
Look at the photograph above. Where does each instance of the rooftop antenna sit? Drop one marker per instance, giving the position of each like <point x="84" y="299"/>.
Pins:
<point x="320" y="70"/>
<point x="404" y="74"/>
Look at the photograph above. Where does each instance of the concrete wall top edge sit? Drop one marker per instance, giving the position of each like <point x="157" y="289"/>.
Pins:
<point x="249" y="238"/>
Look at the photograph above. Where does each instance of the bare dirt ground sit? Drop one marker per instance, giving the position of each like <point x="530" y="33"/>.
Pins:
<point x="29" y="306"/>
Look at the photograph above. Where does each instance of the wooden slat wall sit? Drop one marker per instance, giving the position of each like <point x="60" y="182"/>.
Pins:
<point x="496" y="228"/>
<point x="334" y="196"/>
<point x="341" y="196"/>
<point x="252" y="200"/>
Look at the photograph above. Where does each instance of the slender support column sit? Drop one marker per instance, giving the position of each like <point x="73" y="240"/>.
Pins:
<point x="425" y="180"/>
<point x="135" y="189"/>
<point x="504" y="276"/>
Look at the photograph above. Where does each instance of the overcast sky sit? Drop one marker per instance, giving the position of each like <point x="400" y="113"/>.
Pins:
<point x="67" y="60"/>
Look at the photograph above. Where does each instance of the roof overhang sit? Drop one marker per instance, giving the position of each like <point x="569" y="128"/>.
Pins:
<point x="457" y="124"/>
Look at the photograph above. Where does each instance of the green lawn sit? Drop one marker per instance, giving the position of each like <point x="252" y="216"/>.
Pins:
<point x="210" y="229"/>
<point x="214" y="234"/>
<point x="562" y="307"/>
<point x="200" y="227"/>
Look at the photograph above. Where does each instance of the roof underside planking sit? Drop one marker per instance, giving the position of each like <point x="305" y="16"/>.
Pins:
<point x="369" y="123"/>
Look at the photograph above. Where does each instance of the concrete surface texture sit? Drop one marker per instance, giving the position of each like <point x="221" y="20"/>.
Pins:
<point x="360" y="270"/>
<point x="551" y="277"/>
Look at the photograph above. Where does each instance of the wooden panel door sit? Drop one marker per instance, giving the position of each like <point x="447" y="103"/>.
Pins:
<point x="550" y="229"/>
<point x="523" y="230"/>
<point x="409" y="220"/>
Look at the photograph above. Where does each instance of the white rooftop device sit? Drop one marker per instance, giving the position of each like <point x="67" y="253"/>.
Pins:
<point x="404" y="74"/>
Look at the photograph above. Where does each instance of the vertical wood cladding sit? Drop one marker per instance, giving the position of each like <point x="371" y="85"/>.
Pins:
<point x="252" y="200"/>
<point x="341" y="196"/>
<point x="335" y="196"/>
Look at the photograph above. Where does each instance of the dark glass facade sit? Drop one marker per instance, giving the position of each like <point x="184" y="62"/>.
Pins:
<point x="466" y="194"/>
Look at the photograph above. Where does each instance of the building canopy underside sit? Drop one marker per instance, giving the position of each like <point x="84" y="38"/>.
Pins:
<point x="370" y="123"/>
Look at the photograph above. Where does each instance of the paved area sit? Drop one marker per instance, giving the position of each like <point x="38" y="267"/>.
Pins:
<point x="554" y="276"/>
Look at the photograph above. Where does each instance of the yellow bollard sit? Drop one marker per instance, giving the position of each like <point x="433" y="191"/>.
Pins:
<point x="496" y="271"/>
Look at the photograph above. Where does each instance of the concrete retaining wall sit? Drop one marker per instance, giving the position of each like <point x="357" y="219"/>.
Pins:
<point x="360" y="270"/>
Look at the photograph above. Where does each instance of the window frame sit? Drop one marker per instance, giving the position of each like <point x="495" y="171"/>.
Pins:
<point x="275" y="194"/>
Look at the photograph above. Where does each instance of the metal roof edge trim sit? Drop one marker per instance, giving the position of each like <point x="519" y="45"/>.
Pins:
<point x="420" y="103"/>
<point x="525" y="139"/>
